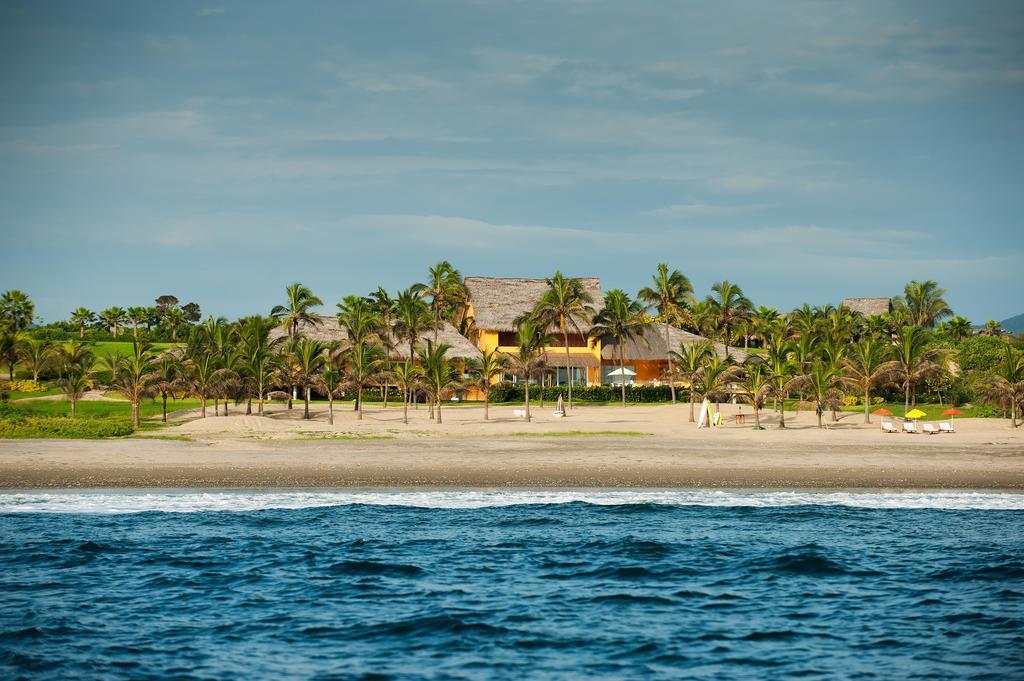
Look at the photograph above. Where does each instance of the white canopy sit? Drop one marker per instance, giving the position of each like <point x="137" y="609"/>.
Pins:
<point x="622" y="372"/>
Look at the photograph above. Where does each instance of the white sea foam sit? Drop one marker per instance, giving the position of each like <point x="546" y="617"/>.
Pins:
<point x="240" y="501"/>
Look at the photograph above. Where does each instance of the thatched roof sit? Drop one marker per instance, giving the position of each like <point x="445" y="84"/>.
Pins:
<point x="556" y="358"/>
<point x="329" y="330"/>
<point x="868" y="306"/>
<point x="654" y="349"/>
<point x="497" y="302"/>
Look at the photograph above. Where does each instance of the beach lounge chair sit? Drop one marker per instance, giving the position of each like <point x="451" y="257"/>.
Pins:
<point x="521" y="413"/>
<point x="888" y="427"/>
<point x="930" y="429"/>
<point x="910" y="427"/>
<point x="945" y="427"/>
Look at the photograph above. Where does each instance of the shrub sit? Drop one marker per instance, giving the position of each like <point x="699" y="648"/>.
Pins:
<point x="592" y="393"/>
<point x="851" y="401"/>
<point x="22" y="386"/>
<point x="23" y="427"/>
<point x="980" y="353"/>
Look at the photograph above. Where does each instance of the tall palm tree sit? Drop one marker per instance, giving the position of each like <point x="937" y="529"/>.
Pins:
<point x="623" y="319"/>
<point x="167" y="378"/>
<point x="407" y="376"/>
<point x="689" y="359"/>
<point x="439" y="374"/>
<point x="260" y="356"/>
<point x="134" y="376"/>
<point x="781" y="367"/>
<point x="412" y="317"/>
<point x="868" y="364"/>
<point x="35" y="354"/>
<point x="16" y="310"/>
<point x="763" y="320"/>
<point x="915" y="361"/>
<point x="175" y="318"/>
<point x="331" y="382"/>
<point x="671" y="294"/>
<point x="364" y="366"/>
<point x="445" y="289"/>
<point x="958" y="328"/>
<point x="136" y="315"/>
<point x="309" y="358"/>
<point x="384" y="305"/>
<point x="83" y="316"/>
<point x="565" y="305"/>
<point x="297" y="310"/>
<point x="113" y="318"/>
<point x="75" y="361"/>
<point x="756" y="382"/>
<point x="491" y="365"/>
<point x="713" y="379"/>
<point x="805" y="320"/>
<point x="729" y="307"/>
<point x="822" y="382"/>
<point x="202" y="370"/>
<point x="529" y="358"/>
<point x="924" y="302"/>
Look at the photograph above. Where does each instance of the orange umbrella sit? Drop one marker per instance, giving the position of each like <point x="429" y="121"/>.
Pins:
<point x="882" y="412"/>
<point x="952" y="412"/>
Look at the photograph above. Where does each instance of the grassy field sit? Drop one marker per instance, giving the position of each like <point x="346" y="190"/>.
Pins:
<point x="99" y="409"/>
<point x="124" y="347"/>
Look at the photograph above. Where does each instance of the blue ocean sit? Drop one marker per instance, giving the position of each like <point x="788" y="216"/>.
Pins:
<point x="511" y="585"/>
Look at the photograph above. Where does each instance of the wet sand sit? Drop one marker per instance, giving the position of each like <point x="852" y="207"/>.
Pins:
<point x="282" y="450"/>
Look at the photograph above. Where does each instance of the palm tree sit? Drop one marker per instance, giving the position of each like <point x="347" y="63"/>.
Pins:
<point x="36" y="354"/>
<point x="728" y="307"/>
<point x="713" y="378"/>
<point x="994" y="328"/>
<point x="134" y="376"/>
<point x="309" y="358"/>
<point x="75" y="361"/>
<point x="671" y="295"/>
<point x="924" y="302"/>
<point x="756" y="381"/>
<point x="1006" y="385"/>
<point x="805" y="320"/>
<point x="167" y="378"/>
<point x="823" y="382"/>
<point x="490" y="366"/>
<point x="564" y="305"/>
<point x="83" y="316"/>
<point x="439" y="375"/>
<point x="689" y="358"/>
<point x="330" y="382"/>
<point x="412" y="317"/>
<point x="867" y="366"/>
<point x="915" y="361"/>
<point x="174" y="317"/>
<point x="364" y="366"/>
<point x="384" y="305"/>
<point x="529" y="358"/>
<point x="297" y="309"/>
<point x="16" y="310"/>
<point x="958" y="328"/>
<point x="445" y="289"/>
<point x="135" y="315"/>
<point x="112" y="318"/>
<point x="625" y="320"/>
<point x="261" y="359"/>
<point x="203" y="372"/>
<point x="763" y="320"/>
<point x="781" y="367"/>
<point x="407" y="376"/>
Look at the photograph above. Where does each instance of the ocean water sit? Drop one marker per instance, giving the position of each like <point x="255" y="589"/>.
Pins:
<point x="482" y="585"/>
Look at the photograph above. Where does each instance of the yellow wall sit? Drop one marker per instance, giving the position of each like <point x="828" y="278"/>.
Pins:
<point x="488" y="340"/>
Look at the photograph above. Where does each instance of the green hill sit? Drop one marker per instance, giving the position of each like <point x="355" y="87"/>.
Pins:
<point x="1014" y="324"/>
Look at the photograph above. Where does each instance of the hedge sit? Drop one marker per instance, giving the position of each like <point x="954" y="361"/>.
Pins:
<point x="15" y="425"/>
<point x="593" y="393"/>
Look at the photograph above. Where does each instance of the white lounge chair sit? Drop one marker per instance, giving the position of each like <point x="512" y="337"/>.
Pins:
<point x="910" y="427"/>
<point x="945" y="427"/>
<point x="888" y="427"/>
<point x="930" y="429"/>
<point x="521" y="413"/>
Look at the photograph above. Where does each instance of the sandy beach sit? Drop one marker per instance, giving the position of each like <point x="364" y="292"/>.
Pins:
<point x="640" y="446"/>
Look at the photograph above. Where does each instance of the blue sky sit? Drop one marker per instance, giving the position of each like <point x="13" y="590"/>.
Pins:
<point x="806" y="151"/>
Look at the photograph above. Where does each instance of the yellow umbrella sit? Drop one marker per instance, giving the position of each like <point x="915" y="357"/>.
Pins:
<point x="914" y="414"/>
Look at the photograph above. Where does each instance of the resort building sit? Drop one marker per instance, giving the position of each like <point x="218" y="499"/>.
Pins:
<point x="868" y="306"/>
<point x="646" y="360"/>
<point x="495" y="304"/>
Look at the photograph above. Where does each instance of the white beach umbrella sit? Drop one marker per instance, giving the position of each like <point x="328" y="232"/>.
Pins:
<point x="622" y="372"/>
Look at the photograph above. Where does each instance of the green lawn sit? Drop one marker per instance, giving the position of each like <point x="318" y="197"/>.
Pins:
<point x="124" y="347"/>
<point x="100" y="409"/>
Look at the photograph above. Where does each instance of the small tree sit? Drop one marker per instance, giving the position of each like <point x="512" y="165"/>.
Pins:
<point x="530" y="356"/>
<point x="330" y="382"/>
<point x="756" y="383"/>
<point x="134" y="376"/>
<point x="36" y="354"/>
<point x="490" y="366"/>
<point x="623" y="319"/>
<point x="689" y="359"/>
<point x="439" y="375"/>
<point x="407" y="376"/>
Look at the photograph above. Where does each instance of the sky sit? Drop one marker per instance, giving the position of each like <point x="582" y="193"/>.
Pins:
<point x="807" y="151"/>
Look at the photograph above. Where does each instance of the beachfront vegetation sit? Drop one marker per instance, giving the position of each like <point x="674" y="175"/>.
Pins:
<point x="826" y="358"/>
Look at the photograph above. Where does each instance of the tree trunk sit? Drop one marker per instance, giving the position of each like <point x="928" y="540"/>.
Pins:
<point x="487" y="400"/>
<point x="305" y="409"/>
<point x="135" y="330"/>
<point x="359" y="403"/>
<point x="74" y="407"/>
<point x="757" y="417"/>
<point x="439" y="410"/>
<point x="259" y="403"/>
<point x="782" y="414"/>
<point x="81" y="330"/>
<point x="330" y="410"/>
<point x="226" y="405"/>
<point x="568" y="369"/>
<point x="867" y="404"/>
<point x="906" y="397"/>
<point x="248" y="407"/>
<point x="216" y="406"/>
<point x="622" y="370"/>
<point x="671" y="375"/>
<point x="202" y="404"/>
<point x="526" y="389"/>
<point x="819" y="411"/>
<point x="164" y="395"/>
<point x="692" y="396"/>
<point x="405" y="406"/>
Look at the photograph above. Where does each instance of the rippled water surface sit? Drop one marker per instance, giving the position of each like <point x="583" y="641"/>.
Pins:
<point x="607" y="589"/>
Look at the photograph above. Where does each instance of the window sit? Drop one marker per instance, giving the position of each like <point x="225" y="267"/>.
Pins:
<point x="507" y="339"/>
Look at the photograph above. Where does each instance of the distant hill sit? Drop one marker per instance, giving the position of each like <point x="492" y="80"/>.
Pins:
<point x="1014" y="324"/>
